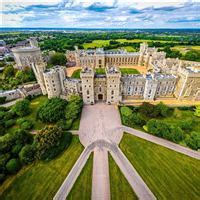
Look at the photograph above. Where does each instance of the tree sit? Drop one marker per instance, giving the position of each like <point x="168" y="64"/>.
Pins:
<point x="52" y="110"/>
<point x="193" y="140"/>
<point x="22" y="108"/>
<point x="163" y="109"/>
<point x="47" y="141"/>
<point x="58" y="59"/>
<point x="27" y="154"/>
<point x="9" y="71"/>
<point x="197" y="111"/>
<point x="192" y="55"/>
<point x="25" y="124"/>
<point x="149" y="110"/>
<point x="13" y="165"/>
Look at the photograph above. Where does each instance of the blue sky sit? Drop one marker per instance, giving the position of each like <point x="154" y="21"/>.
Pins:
<point x="101" y="13"/>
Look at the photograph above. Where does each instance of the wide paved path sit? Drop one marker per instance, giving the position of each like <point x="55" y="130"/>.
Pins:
<point x="99" y="122"/>
<point x="100" y="177"/>
<point x="162" y="142"/>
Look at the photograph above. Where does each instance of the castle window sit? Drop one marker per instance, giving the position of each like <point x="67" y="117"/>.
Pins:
<point x="112" y="97"/>
<point x="88" y="92"/>
<point x="136" y="89"/>
<point x="100" y="89"/>
<point x="112" y="92"/>
<point x="149" y="91"/>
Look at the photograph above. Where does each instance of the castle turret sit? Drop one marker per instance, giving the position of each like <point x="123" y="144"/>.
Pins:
<point x="87" y="79"/>
<point x="113" y="85"/>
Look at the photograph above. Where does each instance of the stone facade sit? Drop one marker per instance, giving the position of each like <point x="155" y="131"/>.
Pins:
<point x="166" y="77"/>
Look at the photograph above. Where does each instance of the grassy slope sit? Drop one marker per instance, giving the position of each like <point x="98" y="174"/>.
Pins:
<point x="42" y="179"/>
<point x="129" y="71"/>
<point x="76" y="73"/>
<point x="82" y="188"/>
<point x="170" y="175"/>
<point x="119" y="186"/>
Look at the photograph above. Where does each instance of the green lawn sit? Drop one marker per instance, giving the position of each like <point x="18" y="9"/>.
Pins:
<point x="82" y="188"/>
<point x="76" y="73"/>
<point x="100" y="71"/>
<point x="129" y="71"/>
<point x="96" y="44"/>
<point x="35" y="104"/>
<point x="169" y="175"/>
<point x="42" y="179"/>
<point x="119" y="186"/>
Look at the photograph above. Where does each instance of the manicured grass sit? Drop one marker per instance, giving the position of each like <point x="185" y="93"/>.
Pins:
<point x="76" y="73"/>
<point x="96" y="44"/>
<point x="100" y="71"/>
<point x="130" y="49"/>
<point x="82" y="188"/>
<point x="169" y="175"/>
<point x="35" y="104"/>
<point x="119" y="186"/>
<point x="129" y="71"/>
<point x="41" y="180"/>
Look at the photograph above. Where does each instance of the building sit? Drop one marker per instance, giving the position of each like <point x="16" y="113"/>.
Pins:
<point x="26" y="55"/>
<point x="166" y="77"/>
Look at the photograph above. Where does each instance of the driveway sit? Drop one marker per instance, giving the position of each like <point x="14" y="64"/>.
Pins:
<point x="100" y="121"/>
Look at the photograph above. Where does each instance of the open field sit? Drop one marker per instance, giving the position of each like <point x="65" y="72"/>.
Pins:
<point x="184" y="49"/>
<point x="119" y="186"/>
<point x="129" y="71"/>
<point x="82" y="188"/>
<point x="169" y="175"/>
<point x="102" y="43"/>
<point x="41" y="180"/>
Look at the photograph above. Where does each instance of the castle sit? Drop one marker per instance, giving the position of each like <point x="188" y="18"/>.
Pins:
<point x="166" y="77"/>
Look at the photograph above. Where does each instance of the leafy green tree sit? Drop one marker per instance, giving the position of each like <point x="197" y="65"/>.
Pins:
<point x="193" y="140"/>
<point x="163" y="109"/>
<point x="192" y="55"/>
<point x="52" y="110"/>
<point x="27" y="154"/>
<point x="22" y="108"/>
<point x="9" y="71"/>
<point x="47" y="141"/>
<point x="13" y="165"/>
<point x="58" y="59"/>
<point x="149" y="110"/>
<point x="197" y="111"/>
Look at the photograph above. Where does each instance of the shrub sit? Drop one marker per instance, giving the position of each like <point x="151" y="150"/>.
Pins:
<point x="125" y="111"/>
<point x="193" y="140"/>
<point x="13" y="165"/>
<point x="22" y="108"/>
<point x="53" y="110"/>
<point x="186" y="124"/>
<point x="177" y="134"/>
<point x="69" y="124"/>
<point x="27" y="154"/>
